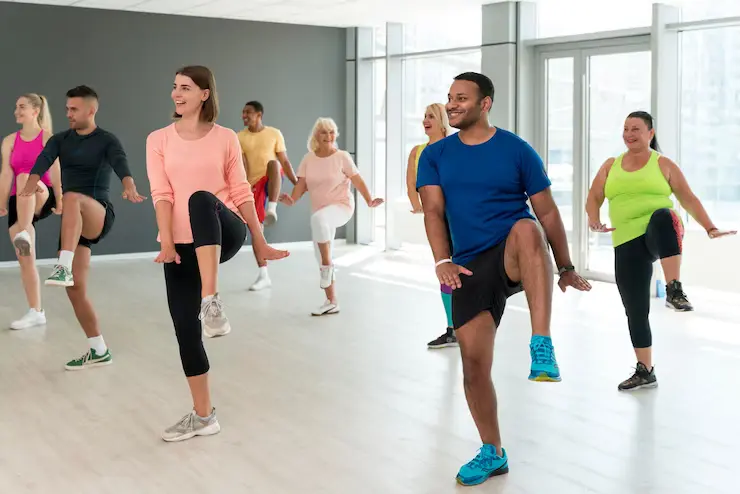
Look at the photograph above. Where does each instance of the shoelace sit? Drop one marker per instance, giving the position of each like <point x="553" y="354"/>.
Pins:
<point x="678" y="293"/>
<point x="542" y="353"/>
<point x="85" y="357"/>
<point x="57" y="271"/>
<point x="214" y="309"/>
<point x="186" y="423"/>
<point x="483" y="459"/>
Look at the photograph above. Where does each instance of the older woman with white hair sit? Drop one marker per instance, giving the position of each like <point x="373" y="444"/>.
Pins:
<point x="327" y="174"/>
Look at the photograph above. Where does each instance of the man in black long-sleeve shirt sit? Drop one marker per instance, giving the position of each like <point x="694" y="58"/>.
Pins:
<point x="87" y="155"/>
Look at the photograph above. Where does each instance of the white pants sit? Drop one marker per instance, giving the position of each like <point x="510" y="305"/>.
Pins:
<point x="324" y="224"/>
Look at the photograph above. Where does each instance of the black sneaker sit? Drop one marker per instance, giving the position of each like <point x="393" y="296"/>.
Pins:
<point x="642" y="378"/>
<point x="446" y="340"/>
<point x="676" y="298"/>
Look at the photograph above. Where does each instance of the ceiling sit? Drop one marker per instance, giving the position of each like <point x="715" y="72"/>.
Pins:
<point x="339" y="13"/>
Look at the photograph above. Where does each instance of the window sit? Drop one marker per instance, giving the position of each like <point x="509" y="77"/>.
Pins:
<point x="434" y="36"/>
<point x="426" y="80"/>
<point x="379" y="41"/>
<point x="696" y="10"/>
<point x="571" y="17"/>
<point x="709" y="146"/>
<point x="379" y="89"/>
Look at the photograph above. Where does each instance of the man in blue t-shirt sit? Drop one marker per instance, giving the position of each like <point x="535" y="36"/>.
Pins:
<point x="479" y="180"/>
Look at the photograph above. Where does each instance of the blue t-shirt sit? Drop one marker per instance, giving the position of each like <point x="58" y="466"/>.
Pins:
<point x="486" y="187"/>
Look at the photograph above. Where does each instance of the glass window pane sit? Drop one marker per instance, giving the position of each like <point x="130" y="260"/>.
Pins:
<point x="571" y="17"/>
<point x="696" y="10"/>
<point x="426" y="80"/>
<point x="379" y="89"/>
<point x="429" y="36"/>
<point x="618" y="84"/>
<point x="710" y="126"/>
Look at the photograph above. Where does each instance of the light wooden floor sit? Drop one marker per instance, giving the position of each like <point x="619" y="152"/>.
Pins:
<point x="355" y="403"/>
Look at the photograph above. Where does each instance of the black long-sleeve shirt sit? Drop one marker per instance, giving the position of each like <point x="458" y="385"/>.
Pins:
<point x="86" y="161"/>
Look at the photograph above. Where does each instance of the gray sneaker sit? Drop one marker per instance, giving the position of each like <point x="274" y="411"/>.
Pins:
<point x="191" y="425"/>
<point x="215" y="322"/>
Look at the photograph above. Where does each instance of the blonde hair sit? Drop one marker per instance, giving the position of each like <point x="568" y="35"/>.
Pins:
<point x="322" y="123"/>
<point x="440" y="114"/>
<point x="40" y="103"/>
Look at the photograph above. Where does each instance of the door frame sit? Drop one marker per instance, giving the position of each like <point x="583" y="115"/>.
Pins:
<point x="580" y="52"/>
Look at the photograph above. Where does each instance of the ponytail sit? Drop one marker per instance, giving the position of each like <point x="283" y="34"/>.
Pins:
<point x="44" y="117"/>
<point x="654" y="143"/>
<point x="42" y="105"/>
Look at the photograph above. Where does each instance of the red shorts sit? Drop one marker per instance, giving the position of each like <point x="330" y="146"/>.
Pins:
<point x="259" y="190"/>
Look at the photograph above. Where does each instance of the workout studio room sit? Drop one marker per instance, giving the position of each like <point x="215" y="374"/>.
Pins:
<point x="369" y="246"/>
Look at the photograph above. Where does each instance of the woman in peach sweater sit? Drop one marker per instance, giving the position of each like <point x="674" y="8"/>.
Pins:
<point x="328" y="173"/>
<point x="202" y="201"/>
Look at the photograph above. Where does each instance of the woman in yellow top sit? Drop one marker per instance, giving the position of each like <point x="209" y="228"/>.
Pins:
<point x="644" y="227"/>
<point x="436" y="127"/>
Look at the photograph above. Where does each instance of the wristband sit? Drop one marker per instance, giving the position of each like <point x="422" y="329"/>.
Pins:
<point x="565" y="269"/>
<point x="443" y="261"/>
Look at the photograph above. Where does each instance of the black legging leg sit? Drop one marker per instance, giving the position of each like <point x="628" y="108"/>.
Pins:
<point x="213" y="223"/>
<point x="633" y="268"/>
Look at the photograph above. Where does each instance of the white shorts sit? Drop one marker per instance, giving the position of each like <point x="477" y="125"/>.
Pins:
<point x="324" y="224"/>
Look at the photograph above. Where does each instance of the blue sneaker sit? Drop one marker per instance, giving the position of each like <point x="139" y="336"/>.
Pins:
<point x="484" y="466"/>
<point x="544" y="366"/>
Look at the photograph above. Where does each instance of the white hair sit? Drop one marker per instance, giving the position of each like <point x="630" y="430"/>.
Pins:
<point x="322" y="123"/>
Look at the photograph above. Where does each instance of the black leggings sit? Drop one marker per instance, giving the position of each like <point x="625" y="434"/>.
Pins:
<point x="212" y="224"/>
<point x="633" y="267"/>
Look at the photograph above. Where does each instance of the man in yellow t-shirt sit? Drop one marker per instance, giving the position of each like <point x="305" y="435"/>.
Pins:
<point x="265" y="160"/>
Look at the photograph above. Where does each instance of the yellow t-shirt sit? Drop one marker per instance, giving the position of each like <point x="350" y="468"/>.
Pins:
<point x="260" y="148"/>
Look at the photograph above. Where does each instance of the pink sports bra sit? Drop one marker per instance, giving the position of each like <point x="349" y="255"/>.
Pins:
<point x="23" y="157"/>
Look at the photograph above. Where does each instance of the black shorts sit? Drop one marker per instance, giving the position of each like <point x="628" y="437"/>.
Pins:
<point x="110" y="217"/>
<point x="45" y="212"/>
<point x="486" y="290"/>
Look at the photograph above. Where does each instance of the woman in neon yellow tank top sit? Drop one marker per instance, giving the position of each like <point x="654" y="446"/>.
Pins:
<point x="645" y="227"/>
<point x="436" y="127"/>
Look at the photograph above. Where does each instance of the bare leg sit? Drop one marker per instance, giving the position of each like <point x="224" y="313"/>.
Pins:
<point x="201" y="394"/>
<point x="526" y="259"/>
<point x="77" y="294"/>
<point x="273" y="181"/>
<point x="476" y="340"/>
<point x="671" y="268"/>
<point x="208" y="257"/>
<point x="30" y="205"/>
<point x="29" y="273"/>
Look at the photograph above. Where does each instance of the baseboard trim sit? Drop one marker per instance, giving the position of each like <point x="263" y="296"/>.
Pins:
<point x="135" y="256"/>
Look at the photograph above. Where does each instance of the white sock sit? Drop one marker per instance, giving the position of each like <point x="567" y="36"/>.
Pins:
<point x="97" y="344"/>
<point x="263" y="273"/>
<point x="272" y="207"/>
<point x="65" y="258"/>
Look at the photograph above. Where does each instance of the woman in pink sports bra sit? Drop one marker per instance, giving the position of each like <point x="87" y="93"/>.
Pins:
<point x="19" y="152"/>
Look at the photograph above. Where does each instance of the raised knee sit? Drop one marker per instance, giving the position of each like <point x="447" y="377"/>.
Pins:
<point x="528" y="232"/>
<point x="662" y="216"/>
<point x="199" y="199"/>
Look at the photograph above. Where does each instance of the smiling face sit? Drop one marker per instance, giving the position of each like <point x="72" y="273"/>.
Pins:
<point x="636" y="134"/>
<point x="432" y="126"/>
<point x="187" y="96"/>
<point x="251" y="117"/>
<point x="464" y="106"/>
<point x="326" y="137"/>
<point x="25" y="113"/>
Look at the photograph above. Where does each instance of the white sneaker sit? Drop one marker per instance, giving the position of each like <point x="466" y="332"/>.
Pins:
<point x="270" y="218"/>
<point x="214" y="320"/>
<point x="190" y="426"/>
<point x="326" y="309"/>
<point x="327" y="276"/>
<point x="31" y="319"/>
<point x="22" y="242"/>
<point x="263" y="282"/>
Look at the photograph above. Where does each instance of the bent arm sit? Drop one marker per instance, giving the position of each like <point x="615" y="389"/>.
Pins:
<point x="596" y="196"/>
<point x="118" y="160"/>
<point x="48" y="156"/>
<point x="299" y="189"/>
<point x="684" y="194"/>
<point x="549" y="217"/>
<point x="411" y="191"/>
<point x="361" y="187"/>
<point x="433" y="201"/>
<point x="56" y="172"/>
<point x="287" y="167"/>
<point x="6" y="173"/>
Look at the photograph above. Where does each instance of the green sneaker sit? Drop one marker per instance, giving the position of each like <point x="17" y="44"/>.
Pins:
<point x="90" y="359"/>
<point x="60" y="276"/>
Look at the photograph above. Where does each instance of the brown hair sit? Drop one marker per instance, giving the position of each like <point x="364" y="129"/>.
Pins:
<point x="40" y="103"/>
<point x="204" y="79"/>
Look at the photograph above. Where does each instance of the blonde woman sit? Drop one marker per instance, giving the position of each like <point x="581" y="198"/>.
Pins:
<point x="436" y="127"/>
<point x="327" y="174"/>
<point x="19" y="152"/>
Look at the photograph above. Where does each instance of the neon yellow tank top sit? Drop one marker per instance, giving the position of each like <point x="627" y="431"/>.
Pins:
<point x="419" y="149"/>
<point x="634" y="197"/>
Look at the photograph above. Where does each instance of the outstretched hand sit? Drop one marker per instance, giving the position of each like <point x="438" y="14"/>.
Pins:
<point x="717" y="233"/>
<point x="130" y="194"/>
<point x="574" y="280"/>
<point x="449" y="274"/>
<point x="286" y="199"/>
<point x="599" y="227"/>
